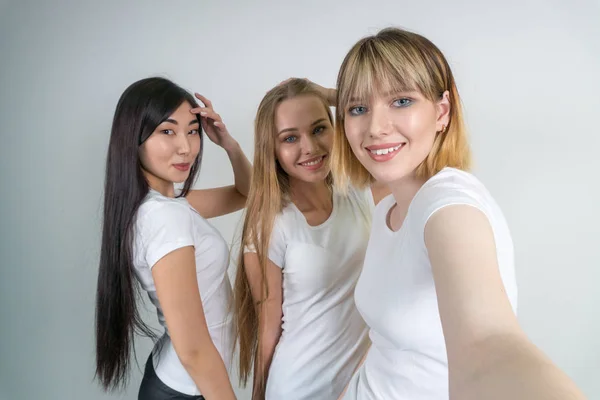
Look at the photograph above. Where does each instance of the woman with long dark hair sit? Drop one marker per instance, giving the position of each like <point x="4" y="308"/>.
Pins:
<point x="159" y="236"/>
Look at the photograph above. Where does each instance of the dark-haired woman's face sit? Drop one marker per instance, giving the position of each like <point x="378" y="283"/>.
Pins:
<point x="168" y="154"/>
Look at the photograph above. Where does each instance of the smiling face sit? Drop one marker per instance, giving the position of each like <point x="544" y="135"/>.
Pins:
<point x="391" y="134"/>
<point x="304" y="136"/>
<point x="169" y="152"/>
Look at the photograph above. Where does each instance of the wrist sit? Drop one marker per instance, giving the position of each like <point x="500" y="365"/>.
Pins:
<point x="231" y="146"/>
<point x="332" y="97"/>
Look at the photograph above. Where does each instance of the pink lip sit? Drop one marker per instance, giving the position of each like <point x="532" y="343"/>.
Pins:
<point x="313" y="167"/>
<point x="384" y="157"/>
<point x="182" y="167"/>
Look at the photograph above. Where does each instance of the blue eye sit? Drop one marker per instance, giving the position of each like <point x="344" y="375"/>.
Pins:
<point x="290" y="139"/>
<point x="403" y="102"/>
<point x="358" y="110"/>
<point x="318" y="130"/>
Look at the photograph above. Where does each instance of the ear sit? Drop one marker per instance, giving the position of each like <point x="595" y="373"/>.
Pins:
<point x="443" y="112"/>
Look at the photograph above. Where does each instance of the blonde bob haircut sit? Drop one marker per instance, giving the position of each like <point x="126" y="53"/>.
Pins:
<point x="399" y="61"/>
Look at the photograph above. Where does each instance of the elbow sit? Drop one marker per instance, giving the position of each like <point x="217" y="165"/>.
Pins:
<point x="486" y="353"/>
<point x="272" y="334"/>
<point x="200" y="361"/>
<point x="189" y="358"/>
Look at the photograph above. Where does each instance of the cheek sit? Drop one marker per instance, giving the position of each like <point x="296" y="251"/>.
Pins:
<point x="196" y="145"/>
<point x="352" y="132"/>
<point x="326" y="141"/>
<point x="286" y="155"/>
<point x="154" y="152"/>
<point x="421" y="126"/>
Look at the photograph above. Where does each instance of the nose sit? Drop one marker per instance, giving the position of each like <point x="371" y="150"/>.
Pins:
<point x="379" y="125"/>
<point x="309" y="144"/>
<point x="183" y="144"/>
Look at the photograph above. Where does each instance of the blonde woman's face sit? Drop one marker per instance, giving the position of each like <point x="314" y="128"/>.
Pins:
<point x="391" y="134"/>
<point x="303" y="138"/>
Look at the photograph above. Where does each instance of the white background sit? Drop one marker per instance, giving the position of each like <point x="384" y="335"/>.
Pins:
<point x="527" y="72"/>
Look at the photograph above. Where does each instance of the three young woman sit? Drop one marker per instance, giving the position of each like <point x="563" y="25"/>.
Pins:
<point x="437" y="289"/>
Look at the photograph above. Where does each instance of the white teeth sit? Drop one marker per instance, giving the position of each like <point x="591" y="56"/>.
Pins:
<point x="315" y="162"/>
<point x="381" y="152"/>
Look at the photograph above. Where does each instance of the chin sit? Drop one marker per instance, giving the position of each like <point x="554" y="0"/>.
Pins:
<point x="388" y="176"/>
<point x="178" y="179"/>
<point x="316" y="178"/>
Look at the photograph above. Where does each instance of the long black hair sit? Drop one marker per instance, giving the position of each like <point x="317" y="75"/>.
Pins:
<point x="142" y="107"/>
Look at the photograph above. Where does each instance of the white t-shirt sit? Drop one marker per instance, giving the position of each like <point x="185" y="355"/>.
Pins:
<point x="396" y="293"/>
<point x="163" y="225"/>
<point x="323" y="336"/>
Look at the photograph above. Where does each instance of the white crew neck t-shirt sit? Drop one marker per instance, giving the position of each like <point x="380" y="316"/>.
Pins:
<point x="323" y="336"/>
<point x="396" y="293"/>
<point x="163" y="225"/>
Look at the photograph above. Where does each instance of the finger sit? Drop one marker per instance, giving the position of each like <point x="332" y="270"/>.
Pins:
<point x="198" y="110"/>
<point x="203" y="99"/>
<point x="209" y="113"/>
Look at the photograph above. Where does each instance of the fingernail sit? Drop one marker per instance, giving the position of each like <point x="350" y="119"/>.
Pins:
<point x="203" y="112"/>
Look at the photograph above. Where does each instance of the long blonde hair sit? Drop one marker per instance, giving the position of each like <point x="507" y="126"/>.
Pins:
<point x="398" y="60"/>
<point x="268" y="193"/>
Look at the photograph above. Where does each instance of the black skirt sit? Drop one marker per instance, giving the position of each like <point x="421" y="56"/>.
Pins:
<point x="152" y="388"/>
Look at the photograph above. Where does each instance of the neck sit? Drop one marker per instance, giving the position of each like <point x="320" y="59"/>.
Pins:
<point x="310" y="195"/>
<point x="165" y="188"/>
<point x="404" y="190"/>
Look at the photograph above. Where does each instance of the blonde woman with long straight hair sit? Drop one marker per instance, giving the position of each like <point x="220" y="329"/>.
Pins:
<point x="438" y="287"/>
<point x="302" y="250"/>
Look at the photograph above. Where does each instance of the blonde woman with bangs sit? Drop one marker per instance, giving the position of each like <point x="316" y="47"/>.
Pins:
<point x="303" y="246"/>
<point x="438" y="287"/>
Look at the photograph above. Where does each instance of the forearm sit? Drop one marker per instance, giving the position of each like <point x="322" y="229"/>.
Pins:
<point x="242" y="169"/>
<point x="262" y="363"/>
<point x="209" y="374"/>
<point x="508" y="367"/>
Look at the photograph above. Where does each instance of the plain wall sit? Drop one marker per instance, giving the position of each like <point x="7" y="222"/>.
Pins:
<point x="527" y="72"/>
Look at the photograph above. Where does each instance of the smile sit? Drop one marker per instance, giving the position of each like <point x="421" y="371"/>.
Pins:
<point x="314" y="163"/>
<point x="384" y="152"/>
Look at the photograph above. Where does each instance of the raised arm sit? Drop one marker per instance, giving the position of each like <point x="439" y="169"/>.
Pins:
<point x="489" y="356"/>
<point x="219" y="201"/>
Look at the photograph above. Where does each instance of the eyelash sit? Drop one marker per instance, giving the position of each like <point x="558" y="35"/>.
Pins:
<point x="409" y="100"/>
<point x="192" y="132"/>
<point x="352" y="109"/>
<point x="322" y="129"/>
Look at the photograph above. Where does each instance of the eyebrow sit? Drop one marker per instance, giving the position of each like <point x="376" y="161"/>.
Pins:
<point x="296" y="129"/>
<point x="174" y="122"/>
<point x="389" y="93"/>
